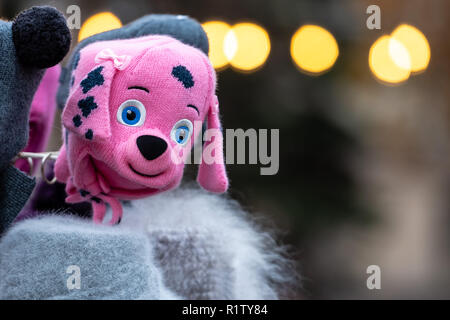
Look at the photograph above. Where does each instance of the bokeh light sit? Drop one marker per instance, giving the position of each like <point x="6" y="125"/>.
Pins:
<point x="314" y="49"/>
<point x="216" y="32"/>
<point x="387" y="60"/>
<point x="417" y="45"/>
<point x="100" y="22"/>
<point x="399" y="54"/>
<point x="247" y="46"/>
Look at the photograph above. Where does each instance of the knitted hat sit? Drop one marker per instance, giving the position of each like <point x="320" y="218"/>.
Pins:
<point x="131" y="118"/>
<point x="180" y="27"/>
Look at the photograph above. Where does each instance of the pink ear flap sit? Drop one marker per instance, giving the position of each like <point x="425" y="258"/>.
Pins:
<point x="87" y="109"/>
<point x="211" y="174"/>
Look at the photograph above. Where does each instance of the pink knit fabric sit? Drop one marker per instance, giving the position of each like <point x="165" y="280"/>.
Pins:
<point x="101" y="161"/>
<point x="42" y="113"/>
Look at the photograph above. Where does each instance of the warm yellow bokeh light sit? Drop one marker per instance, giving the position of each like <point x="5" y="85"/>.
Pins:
<point x="101" y="22"/>
<point x="399" y="54"/>
<point x="247" y="46"/>
<point x="216" y="32"/>
<point x="314" y="49"/>
<point x="384" y="61"/>
<point x="416" y="44"/>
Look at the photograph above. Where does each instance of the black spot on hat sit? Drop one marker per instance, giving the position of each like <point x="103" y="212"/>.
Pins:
<point x="84" y="193"/>
<point x="89" y="134"/>
<point x="77" y="121"/>
<point x="94" y="78"/>
<point x="87" y="105"/>
<point x="183" y="75"/>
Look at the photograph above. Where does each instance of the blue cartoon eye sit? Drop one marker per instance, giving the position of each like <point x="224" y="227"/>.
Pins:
<point x="181" y="134"/>
<point x="181" y="131"/>
<point x="131" y="113"/>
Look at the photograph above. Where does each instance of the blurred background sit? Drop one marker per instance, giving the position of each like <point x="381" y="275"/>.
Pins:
<point x="364" y="120"/>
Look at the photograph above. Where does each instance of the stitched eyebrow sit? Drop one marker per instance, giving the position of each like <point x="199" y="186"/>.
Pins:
<point x="139" y="88"/>
<point x="193" y="107"/>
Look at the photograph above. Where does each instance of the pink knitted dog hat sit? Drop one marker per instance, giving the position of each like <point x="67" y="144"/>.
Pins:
<point x="131" y="119"/>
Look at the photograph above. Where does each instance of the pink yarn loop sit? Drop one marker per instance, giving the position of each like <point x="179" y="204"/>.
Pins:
<point x="120" y="62"/>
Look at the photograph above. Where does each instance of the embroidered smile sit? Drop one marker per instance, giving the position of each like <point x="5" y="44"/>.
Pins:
<point x="142" y="174"/>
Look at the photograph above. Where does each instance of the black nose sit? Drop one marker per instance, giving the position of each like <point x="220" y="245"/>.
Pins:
<point x="151" y="147"/>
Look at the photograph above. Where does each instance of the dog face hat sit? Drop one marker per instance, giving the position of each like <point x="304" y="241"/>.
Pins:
<point x="131" y="118"/>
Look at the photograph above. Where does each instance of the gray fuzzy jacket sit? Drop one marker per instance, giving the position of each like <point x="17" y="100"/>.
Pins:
<point x="183" y="244"/>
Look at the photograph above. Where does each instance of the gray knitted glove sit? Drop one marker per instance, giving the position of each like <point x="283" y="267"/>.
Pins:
<point x="65" y="258"/>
